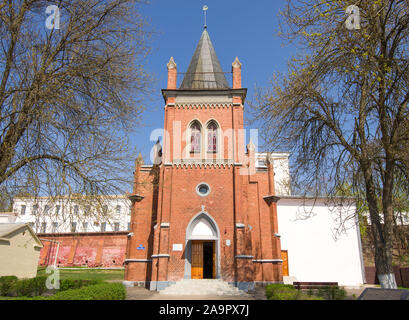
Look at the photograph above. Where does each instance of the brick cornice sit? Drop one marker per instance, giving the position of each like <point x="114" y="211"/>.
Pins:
<point x="203" y="105"/>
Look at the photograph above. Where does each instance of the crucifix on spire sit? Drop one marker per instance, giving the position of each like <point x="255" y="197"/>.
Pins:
<point x="205" y="8"/>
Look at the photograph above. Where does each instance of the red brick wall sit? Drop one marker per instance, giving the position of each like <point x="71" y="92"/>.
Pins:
<point x="102" y="249"/>
<point x="233" y="198"/>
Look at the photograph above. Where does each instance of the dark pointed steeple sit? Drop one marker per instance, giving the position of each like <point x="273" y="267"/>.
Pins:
<point x="204" y="71"/>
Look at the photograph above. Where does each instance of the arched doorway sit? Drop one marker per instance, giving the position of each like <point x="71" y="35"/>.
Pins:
<point x="202" y="259"/>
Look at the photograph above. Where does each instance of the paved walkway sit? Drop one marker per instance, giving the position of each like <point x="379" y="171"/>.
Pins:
<point x="354" y="293"/>
<point x="137" y="293"/>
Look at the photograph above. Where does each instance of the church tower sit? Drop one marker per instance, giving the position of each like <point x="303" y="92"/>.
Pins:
<point x="204" y="209"/>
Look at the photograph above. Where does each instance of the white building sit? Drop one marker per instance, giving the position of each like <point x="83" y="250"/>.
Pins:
<point x="8" y="217"/>
<point x="64" y="214"/>
<point x="322" y="240"/>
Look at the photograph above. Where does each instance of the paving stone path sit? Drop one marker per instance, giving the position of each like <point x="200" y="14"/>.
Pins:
<point x="136" y="293"/>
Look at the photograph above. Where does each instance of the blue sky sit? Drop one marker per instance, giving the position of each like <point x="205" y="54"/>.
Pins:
<point x="246" y="29"/>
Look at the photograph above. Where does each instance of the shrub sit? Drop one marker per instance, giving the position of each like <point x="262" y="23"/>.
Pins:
<point x="24" y="287"/>
<point x="332" y="293"/>
<point x="38" y="285"/>
<point x="7" y="283"/>
<point x="310" y="292"/>
<point x="68" y="284"/>
<point x="271" y="289"/>
<point x="288" y="292"/>
<point x="101" y="291"/>
<point x="31" y="287"/>
<point x="281" y="292"/>
<point x="309" y="297"/>
<point x="285" y="294"/>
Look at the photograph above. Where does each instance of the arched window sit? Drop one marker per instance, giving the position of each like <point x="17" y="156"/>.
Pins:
<point x="195" y="134"/>
<point x="212" y="137"/>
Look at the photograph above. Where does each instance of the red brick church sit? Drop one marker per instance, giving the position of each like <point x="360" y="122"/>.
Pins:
<point x="202" y="210"/>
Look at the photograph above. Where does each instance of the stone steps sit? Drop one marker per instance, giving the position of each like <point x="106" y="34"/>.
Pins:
<point x="214" y="287"/>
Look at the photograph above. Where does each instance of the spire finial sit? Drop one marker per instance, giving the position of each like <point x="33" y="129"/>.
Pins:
<point x="205" y="8"/>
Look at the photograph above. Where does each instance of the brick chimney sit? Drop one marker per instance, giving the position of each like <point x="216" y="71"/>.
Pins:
<point x="172" y="74"/>
<point x="236" y="69"/>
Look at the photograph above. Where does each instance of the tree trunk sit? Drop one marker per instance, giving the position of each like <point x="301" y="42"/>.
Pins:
<point x="381" y="234"/>
<point x="386" y="275"/>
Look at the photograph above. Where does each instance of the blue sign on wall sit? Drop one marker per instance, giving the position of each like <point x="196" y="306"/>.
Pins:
<point x="141" y="247"/>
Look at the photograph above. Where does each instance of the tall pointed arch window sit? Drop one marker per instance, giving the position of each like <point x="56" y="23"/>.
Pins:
<point x="195" y="137"/>
<point x="212" y="137"/>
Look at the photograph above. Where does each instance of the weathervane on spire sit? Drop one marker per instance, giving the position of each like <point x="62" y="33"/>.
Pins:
<point x="205" y="8"/>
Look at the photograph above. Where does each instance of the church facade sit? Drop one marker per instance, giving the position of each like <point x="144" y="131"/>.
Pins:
<point x="207" y="207"/>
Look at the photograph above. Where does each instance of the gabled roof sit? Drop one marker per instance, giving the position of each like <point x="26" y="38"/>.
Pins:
<point x="204" y="71"/>
<point x="8" y="228"/>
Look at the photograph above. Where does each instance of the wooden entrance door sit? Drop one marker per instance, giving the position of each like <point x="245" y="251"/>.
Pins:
<point x="284" y="257"/>
<point x="201" y="268"/>
<point x="197" y="259"/>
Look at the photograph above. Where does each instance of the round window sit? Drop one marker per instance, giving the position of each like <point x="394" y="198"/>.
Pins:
<point x="203" y="189"/>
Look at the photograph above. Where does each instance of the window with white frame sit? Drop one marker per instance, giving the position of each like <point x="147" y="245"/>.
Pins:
<point x="116" y="226"/>
<point x="103" y="226"/>
<point x="23" y="210"/>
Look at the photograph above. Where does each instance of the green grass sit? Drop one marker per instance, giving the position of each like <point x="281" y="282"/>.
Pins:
<point x="86" y="274"/>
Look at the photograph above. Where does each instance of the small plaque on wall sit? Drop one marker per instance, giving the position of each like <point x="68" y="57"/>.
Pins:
<point x="177" y="247"/>
<point x="228" y="242"/>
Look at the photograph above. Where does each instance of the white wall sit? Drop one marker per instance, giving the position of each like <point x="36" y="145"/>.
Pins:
<point x="282" y="179"/>
<point x="317" y="250"/>
<point x="66" y="215"/>
<point x="7" y="217"/>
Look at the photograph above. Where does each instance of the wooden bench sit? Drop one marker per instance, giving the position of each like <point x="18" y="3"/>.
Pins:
<point x="313" y="285"/>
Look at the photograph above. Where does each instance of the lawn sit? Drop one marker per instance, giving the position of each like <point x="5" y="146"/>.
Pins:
<point x="87" y="274"/>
